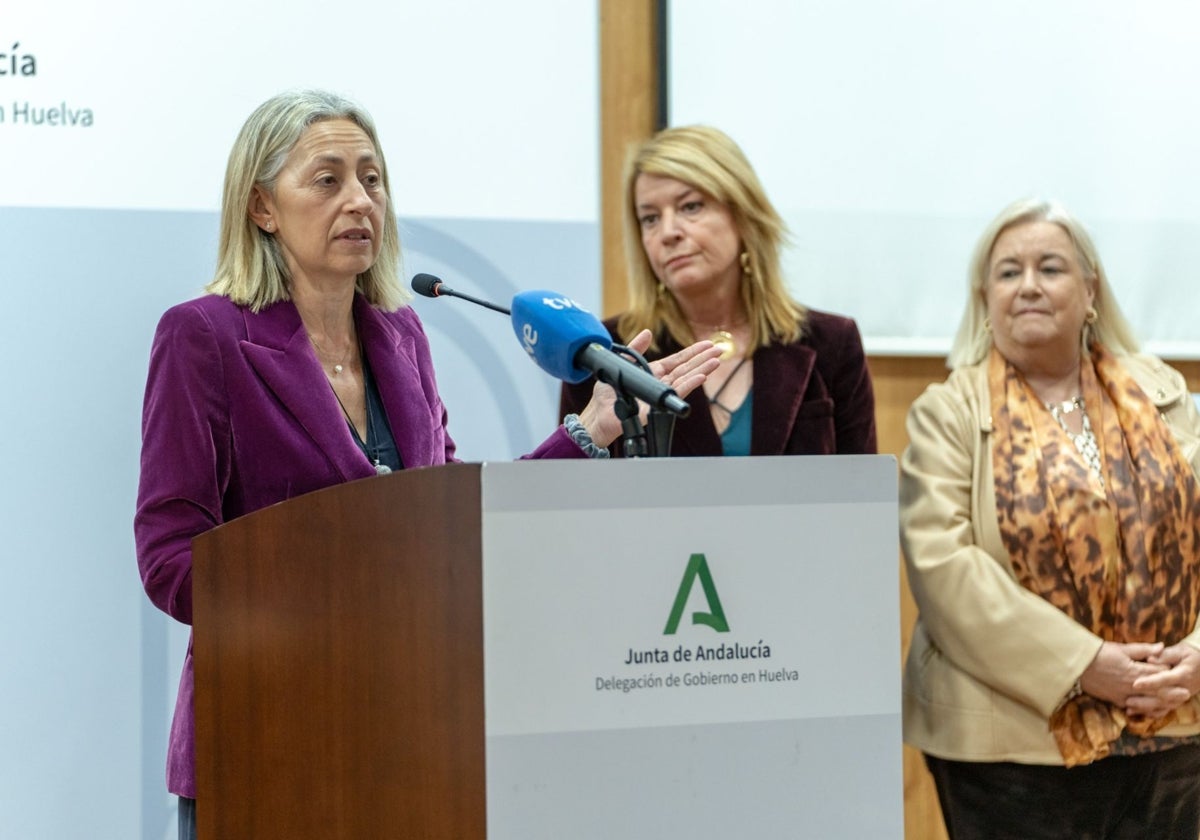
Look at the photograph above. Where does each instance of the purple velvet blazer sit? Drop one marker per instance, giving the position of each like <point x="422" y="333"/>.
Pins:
<point x="811" y="397"/>
<point x="238" y="415"/>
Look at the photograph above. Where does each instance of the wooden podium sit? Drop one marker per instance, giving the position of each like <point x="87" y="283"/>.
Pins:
<point x="343" y="691"/>
<point x="338" y="657"/>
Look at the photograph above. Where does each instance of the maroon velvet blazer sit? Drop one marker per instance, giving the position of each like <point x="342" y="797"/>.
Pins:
<point x="811" y="397"/>
<point x="238" y="415"/>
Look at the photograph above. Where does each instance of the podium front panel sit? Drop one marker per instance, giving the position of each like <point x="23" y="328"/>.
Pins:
<point x="704" y="646"/>
<point x="339" y="664"/>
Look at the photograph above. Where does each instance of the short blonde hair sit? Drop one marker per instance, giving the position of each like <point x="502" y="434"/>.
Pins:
<point x="710" y="161"/>
<point x="974" y="339"/>
<point x="250" y="267"/>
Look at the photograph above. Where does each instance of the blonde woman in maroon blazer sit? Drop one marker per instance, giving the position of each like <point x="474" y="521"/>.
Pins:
<point x="702" y="243"/>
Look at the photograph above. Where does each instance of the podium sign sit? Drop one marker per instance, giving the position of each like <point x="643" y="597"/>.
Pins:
<point x="583" y="649"/>
<point x="695" y="647"/>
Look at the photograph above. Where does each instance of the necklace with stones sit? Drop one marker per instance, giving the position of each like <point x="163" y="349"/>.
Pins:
<point x="1085" y="441"/>
<point x="1060" y="409"/>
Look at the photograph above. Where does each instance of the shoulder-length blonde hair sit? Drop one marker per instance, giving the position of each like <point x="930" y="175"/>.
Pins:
<point x="250" y="267"/>
<point x="974" y="339"/>
<point x="708" y="160"/>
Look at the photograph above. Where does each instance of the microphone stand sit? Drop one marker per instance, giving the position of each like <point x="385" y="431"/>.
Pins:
<point x="660" y="423"/>
<point x="661" y="427"/>
<point x="632" y="433"/>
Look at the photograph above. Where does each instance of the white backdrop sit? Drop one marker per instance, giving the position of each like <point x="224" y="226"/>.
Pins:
<point x="889" y="133"/>
<point x="111" y="160"/>
<point x="473" y="122"/>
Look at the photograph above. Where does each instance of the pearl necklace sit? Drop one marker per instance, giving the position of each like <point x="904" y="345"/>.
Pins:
<point x="323" y="355"/>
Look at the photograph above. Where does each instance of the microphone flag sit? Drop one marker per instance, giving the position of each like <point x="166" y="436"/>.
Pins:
<point x="553" y="328"/>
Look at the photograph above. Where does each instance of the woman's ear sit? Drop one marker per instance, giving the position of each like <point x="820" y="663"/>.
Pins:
<point x="262" y="209"/>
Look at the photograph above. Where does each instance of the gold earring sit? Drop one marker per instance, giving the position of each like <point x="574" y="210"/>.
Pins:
<point x="1092" y="315"/>
<point x="747" y="269"/>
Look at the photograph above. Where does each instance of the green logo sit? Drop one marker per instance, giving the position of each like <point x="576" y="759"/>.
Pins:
<point x="697" y="568"/>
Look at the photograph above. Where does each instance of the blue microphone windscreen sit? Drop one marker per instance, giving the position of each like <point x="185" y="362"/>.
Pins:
<point x="553" y="328"/>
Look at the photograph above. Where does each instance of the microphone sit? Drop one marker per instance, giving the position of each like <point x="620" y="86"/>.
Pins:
<point x="570" y="344"/>
<point x="573" y="343"/>
<point x="429" y="286"/>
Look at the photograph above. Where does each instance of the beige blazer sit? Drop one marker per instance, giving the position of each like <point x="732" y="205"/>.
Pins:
<point x="990" y="661"/>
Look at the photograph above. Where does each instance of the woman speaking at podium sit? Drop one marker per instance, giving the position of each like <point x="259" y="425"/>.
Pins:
<point x="1050" y="515"/>
<point x="301" y="368"/>
<point x="702" y="243"/>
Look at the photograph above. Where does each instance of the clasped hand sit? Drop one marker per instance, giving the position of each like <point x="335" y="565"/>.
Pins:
<point x="1146" y="680"/>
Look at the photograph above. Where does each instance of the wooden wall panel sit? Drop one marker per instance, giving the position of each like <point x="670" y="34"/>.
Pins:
<point x="629" y="100"/>
<point x="898" y="381"/>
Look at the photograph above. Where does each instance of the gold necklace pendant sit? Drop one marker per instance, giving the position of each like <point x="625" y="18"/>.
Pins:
<point x="723" y="340"/>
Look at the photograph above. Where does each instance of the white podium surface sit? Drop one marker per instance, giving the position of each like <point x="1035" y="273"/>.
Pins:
<point x="693" y="647"/>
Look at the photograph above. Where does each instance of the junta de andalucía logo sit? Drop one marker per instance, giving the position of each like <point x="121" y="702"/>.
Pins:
<point x="697" y="570"/>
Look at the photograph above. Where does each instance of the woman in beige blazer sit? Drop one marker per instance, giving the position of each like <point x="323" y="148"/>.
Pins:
<point x="1050" y="520"/>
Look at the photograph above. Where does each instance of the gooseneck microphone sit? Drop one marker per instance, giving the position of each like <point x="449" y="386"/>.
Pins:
<point x="570" y="344"/>
<point x="429" y="286"/>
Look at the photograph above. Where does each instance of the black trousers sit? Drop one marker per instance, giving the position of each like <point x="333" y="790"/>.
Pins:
<point x="1156" y="795"/>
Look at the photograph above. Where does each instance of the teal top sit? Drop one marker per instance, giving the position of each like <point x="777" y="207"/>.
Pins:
<point x="735" y="440"/>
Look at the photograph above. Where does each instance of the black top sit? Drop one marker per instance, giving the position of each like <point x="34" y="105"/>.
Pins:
<point x="380" y="446"/>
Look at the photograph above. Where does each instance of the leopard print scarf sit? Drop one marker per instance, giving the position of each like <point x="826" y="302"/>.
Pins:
<point x="1118" y="556"/>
